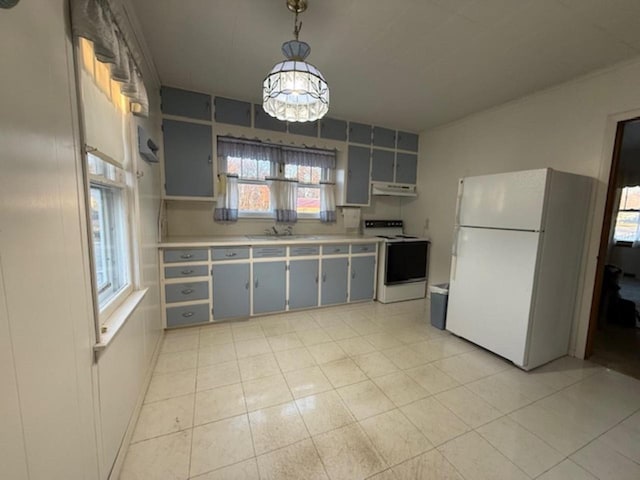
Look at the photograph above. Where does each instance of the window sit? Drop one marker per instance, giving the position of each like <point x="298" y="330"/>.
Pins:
<point x="109" y="232"/>
<point x="628" y="219"/>
<point x="254" y="162"/>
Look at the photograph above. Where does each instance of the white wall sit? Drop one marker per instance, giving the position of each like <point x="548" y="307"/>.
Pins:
<point x="46" y="325"/>
<point x="569" y="127"/>
<point x="63" y="415"/>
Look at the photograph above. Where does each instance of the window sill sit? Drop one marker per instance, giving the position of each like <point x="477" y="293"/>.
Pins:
<point x="118" y="318"/>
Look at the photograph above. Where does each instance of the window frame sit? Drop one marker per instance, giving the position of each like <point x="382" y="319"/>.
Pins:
<point x="622" y="242"/>
<point x="277" y="171"/>
<point x="121" y="183"/>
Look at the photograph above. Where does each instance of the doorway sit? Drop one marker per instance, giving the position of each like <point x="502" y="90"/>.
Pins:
<point x="614" y="328"/>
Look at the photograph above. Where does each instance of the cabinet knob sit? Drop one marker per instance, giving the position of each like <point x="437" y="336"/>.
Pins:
<point x="316" y="278"/>
<point x="187" y="314"/>
<point x="324" y="277"/>
<point x="353" y="274"/>
<point x="256" y="283"/>
<point x="246" y="286"/>
<point x="187" y="291"/>
<point x="230" y="254"/>
<point x="186" y="255"/>
<point x="187" y="272"/>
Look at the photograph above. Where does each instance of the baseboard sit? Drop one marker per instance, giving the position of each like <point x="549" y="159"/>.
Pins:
<point x="124" y="446"/>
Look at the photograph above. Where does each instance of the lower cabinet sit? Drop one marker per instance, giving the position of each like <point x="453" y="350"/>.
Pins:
<point x="303" y="284"/>
<point x="231" y="291"/>
<point x="363" y="272"/>
<point x="334" y="280"/>
<point x="269" y="287"/>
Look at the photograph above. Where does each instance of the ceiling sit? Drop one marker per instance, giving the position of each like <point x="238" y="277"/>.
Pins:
<point x="410" y="64"/>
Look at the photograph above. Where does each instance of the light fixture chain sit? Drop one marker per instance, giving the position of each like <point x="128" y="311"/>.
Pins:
<point x="297" y="26"/>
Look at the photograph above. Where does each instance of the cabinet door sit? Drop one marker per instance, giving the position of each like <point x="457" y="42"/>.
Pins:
<point x="186" y="104"/>
<point x="231" y="111"/>
<point x="406" y="168"/>
<point x="382" y="165"/>
<point x="362" y="277"/>
<point x="333" y="129"/>
<point x="310" y="129"/>
<point x="358" y="169"/>
<point x="188" y="161"/>
<point x="303" y="284"/>
<point x="230" y="291"/>
<point x="359" y="133"/>
<point x="269" y="284"/>
<point x="407" y="141"/>
<point x="265" y="121"/>
<point x="334" y="280"/>
<point x="383" y="137"/>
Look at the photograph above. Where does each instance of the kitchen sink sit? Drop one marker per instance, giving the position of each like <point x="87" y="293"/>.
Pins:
<point x="281" y="237"/>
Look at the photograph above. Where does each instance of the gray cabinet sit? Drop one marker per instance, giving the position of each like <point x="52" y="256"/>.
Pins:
<point x="383" y="137"/>
<point x="265" y="121"/>
<point x="362" y="278"/>
<point x="334" y="280"/>
<point x="269" y="287"/>
<point x="188" y="161"/>
<point x="408" y="141"/>
<point x="309" y="129"/>
<point x="189" y="315"/>
<point x="406" y="168"/>
<point x="303" y="284"/>
<point x="333" y="129"/>
<point x="231" y="291"/>
<point x="359" y="133"/>
<point x="382" y="163"/>
<point x="358" y="174"/>
<point x="186" y="104"/>
<point x="233" y="112"/>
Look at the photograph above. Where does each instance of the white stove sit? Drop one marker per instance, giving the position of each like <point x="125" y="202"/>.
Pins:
<point x="403" y="261"/>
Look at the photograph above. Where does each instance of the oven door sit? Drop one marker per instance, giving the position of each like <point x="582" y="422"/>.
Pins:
<point x="406" y="262"/>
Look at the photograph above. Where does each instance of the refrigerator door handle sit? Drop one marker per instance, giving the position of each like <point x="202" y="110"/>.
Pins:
<point x="454" y="252"/>
<point x="459" y="201"/>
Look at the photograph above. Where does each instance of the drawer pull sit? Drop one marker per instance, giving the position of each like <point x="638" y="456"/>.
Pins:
<point x="186" y="255"/>
<point x="365" y="249"/>
<point x="187" y="314"/>
<point x="256" y="283"/>
<point x="230" y="254"/>
<point x="353" y="274"/>
<point x="187" y="272"/>
<point x="187" y="291"/>
<point x="316" y="278"/>
<point x="337" y="250"/>
<point x="324" y="278"/>
<point x="246" y="286"/>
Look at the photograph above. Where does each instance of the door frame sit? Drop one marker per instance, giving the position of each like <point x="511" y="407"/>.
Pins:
<point x="605" y="233"/>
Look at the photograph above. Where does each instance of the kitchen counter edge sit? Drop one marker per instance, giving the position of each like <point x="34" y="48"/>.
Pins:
<point x="178" y="242"/>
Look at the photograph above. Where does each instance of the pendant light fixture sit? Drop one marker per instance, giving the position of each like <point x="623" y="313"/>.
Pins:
<point x="294" y="90"/>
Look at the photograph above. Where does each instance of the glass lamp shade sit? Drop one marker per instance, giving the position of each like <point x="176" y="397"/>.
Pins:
<point x="295" y="91"/>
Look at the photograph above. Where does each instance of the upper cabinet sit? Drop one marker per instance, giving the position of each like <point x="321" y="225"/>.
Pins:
<point x="358" y="173"/>
<point x="382" y="165"/>
<point x="310" y="129"/>
<point x="233" y="112"/>
<point x="359" y="133"/>
<point x="407" y="141"/>
<point x="406" y="168"/>
<point x="265" y="121"/>
<point x="384" y="137"/>
<point x="186" y="104"/>
<point x="188" y="159"/>
<point x="333" y="129"/>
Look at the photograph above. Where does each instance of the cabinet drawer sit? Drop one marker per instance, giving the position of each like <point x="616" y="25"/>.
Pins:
<point x="266" y="252"/>
<point x="188" y="255"/>
<point x="189" y="315"/>
<point x="179" y="272"/>
<point x="229" y="253"/>
<point x="186" y="292"/>
<point x="304" y="250"/>
<point x="335" y="249"/>
<point x="363" y="248"/>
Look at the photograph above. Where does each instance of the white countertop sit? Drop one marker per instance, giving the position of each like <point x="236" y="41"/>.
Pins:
<point x="218" y="241"/>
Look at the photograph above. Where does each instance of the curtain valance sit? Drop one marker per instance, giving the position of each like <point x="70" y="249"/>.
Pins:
<point x="257" y="150"/>
<point x="94" y="20"/>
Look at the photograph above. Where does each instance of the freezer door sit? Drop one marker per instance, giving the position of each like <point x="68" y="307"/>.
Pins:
<point x="491" y="288"/>
<point x="507" y="200"/>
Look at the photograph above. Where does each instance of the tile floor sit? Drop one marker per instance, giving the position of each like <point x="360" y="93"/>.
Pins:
<point x="372" y="391"/>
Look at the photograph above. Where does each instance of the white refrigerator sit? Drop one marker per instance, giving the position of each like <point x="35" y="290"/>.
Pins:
<point x="516" y="262"/>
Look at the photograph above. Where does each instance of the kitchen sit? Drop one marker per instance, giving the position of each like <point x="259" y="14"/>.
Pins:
<point x="552" y="99"/>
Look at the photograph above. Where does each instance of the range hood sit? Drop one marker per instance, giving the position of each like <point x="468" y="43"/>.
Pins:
<point x="393" y="190"/>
